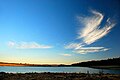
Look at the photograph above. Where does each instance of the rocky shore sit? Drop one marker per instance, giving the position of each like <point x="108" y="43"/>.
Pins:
<point x="58" y="76"/>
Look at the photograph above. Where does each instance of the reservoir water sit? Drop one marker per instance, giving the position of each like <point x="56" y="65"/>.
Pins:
<point x="55" y="69"/>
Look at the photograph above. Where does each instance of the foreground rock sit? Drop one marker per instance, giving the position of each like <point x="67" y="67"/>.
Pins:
<point x="57" y="76"/>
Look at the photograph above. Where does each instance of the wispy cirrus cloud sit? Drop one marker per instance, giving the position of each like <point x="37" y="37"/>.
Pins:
<point x="73" y="46"/>
<point x="84" y="50"/>
<point x="66" y="54"/>
<point x="91" y="32"/>
<point x="27" y="45"/>
<point x="78" y="48"/>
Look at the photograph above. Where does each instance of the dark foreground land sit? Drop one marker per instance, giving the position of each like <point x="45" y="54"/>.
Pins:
<point x="58" y="76"/>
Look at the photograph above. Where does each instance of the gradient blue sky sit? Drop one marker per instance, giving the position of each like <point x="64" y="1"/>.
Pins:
<point x="38" y="31"/>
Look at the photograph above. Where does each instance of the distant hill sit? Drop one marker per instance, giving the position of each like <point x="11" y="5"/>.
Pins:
<point x="11" y="64"/>
<point x="26" y="64"/>
<point x="109" y="63"/>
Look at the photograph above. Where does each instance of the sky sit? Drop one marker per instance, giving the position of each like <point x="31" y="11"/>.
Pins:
<point x="59" y="31"/>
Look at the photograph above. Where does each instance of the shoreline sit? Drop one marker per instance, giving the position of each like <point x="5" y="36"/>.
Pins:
<point x="111" y="67"/>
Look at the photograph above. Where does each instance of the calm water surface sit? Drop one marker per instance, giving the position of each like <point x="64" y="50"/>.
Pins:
<point x="55" y="69"/>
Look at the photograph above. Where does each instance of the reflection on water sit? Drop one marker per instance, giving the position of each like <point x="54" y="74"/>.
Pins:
<point x="55" y="69"/>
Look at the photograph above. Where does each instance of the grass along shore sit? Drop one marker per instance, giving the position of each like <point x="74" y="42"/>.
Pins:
<point x="58" y="76"/>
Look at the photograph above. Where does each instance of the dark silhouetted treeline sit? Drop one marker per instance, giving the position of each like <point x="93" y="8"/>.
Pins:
<point x="108" y="62"/>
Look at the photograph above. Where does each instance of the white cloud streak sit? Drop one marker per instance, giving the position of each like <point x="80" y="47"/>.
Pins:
<point x="90" y="33"/>
<point x="73" y="46"/>
<point x="11" y="44"/>
<point x="85" y="50"/>
<point x="27" y="45"/>
<point x="92" y="30"/>
<point x="66" y="54"/>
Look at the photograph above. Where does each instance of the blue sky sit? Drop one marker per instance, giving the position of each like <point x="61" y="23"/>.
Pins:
<point x="58" y="31"/>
